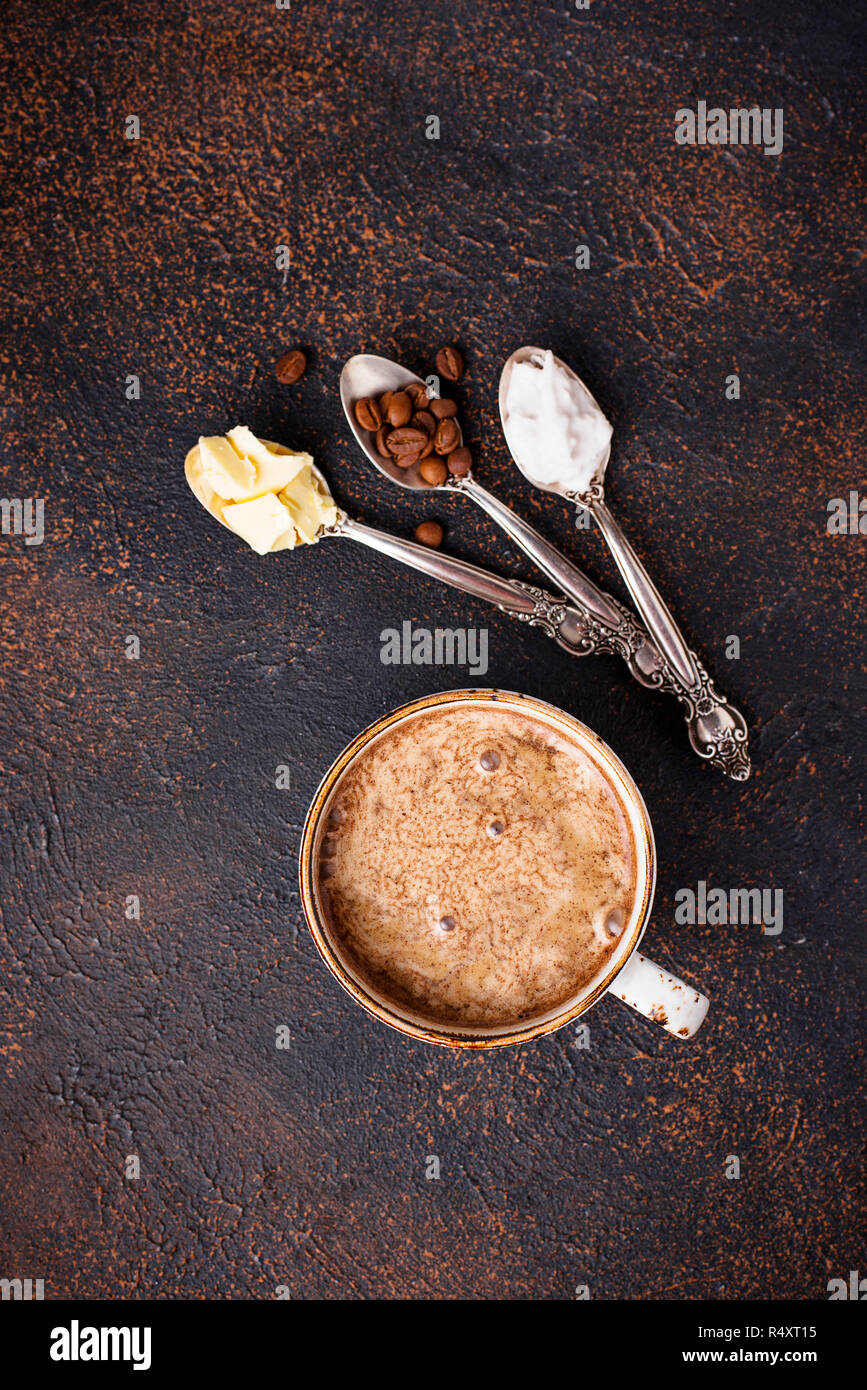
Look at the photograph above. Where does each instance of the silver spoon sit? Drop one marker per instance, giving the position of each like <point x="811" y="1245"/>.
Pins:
<point x="572" y="626"/>
<point x="717" y="732"/>
<point x="367" y="375"/>
<point x="718" y="725"/>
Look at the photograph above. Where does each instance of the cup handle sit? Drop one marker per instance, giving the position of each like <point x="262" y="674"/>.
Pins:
<point x="645" y="986"/>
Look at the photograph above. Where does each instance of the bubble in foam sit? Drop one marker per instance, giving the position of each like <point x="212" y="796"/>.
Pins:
<point x="615" y="922"/>
<point x="489" y="761"/>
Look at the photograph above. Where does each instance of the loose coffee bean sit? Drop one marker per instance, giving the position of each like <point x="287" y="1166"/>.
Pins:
<point x="460" y="461"/>
<point x="429" y="533"/>
<point x="447" y="437"/>
<point x="368" y="414"/>
<point x="450" y="363"/>
<point x="442" y="409"/>
<point x="406" y="444"/>
<point x="399" y="409"/>
<point x="434" y="470"/>
<point x="423" y="420"/>
<point x="291" y="367"/>
<point x="418" y="395"/>
<point x="382" y="440"/>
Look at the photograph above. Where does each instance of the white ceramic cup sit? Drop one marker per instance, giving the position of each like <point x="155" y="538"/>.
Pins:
<point x="627" y="974"/>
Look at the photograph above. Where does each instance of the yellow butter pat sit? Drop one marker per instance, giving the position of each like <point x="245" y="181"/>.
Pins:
<point x="273" y="470"/>
<point x="310" y="508"/>
<point x="230" y="475"/>
<point x="270" y="497"/>
<point x="260" y="522"/>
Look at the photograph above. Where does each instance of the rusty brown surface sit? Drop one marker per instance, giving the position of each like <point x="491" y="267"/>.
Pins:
<point x="155" y="777"/>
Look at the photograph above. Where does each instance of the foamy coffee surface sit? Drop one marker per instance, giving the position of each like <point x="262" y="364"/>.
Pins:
<point x="477" y="866"/>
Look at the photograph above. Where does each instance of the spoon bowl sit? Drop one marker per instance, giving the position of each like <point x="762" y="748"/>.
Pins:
<point x="368" y="375"/>
<point x="526" y="354"/>
<point x="212" y="502"/>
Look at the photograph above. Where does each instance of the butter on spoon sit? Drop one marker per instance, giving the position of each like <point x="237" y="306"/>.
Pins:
<point x="208" y="461"/>
<point x="272" y="498"/>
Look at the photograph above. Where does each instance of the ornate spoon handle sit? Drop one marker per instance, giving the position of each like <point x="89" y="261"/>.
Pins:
<point x="579" y="631"/>
<point x="717" y="730"/>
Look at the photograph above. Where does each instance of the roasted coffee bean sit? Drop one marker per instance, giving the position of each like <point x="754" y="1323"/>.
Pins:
<point x="382" y="440"/>
<point x="418" y="395"/>
<point x="428" y="448"/>
<point x="384" y="401"/>
<point x="434" y="470"/>
<point x="291" y="367"/>
<point x="405" y="445"/>
<point x="423" y="420"/>
<point x="447" y="437"/>
<point x="442" y="409"/>
<point x="459" y="461"/>
<point x="450" y="363"/>
<point x="429" y="533"/>
<point x="368" y="414"/>
<point x="399" y="409"/>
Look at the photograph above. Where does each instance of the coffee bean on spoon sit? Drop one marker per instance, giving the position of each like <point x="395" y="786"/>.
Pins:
<point x="368" y="414"/>
<point x="459" y="461"/>
<point x="399" y="408"/>
<point x="450" y="363"/>
<point x="429" y="533"/>
<point x="433" y="470"/>
<point x="382" y="441"/>
<point x="448" y="436"/>
<point x="406" y="444"/>
<point x="418" y="395"/>
<point x="423" y="420"/>
<point x="443" y="409"/>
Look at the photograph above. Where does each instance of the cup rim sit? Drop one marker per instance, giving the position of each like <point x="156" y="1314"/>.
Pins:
<point x="450" y="1035"/>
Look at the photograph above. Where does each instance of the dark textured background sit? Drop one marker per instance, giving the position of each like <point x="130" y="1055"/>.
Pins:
<point x="306" y="1167"/>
